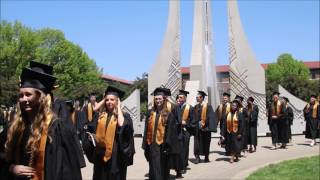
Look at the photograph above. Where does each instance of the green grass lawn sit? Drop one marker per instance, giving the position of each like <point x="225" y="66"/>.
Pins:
<point x="300" y="169"/>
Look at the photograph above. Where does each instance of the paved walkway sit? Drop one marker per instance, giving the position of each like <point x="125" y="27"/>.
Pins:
<point x="219" y="167"/>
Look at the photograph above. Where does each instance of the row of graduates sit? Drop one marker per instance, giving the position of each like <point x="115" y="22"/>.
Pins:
<point x="41" y="141"/>
<point x="280" y="119"/>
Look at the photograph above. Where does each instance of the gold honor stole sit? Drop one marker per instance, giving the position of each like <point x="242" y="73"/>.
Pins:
<point x="186" y="113"/>
<point x="275" y="112"/>
<point x="220" y="110"/>
<point x="89" y="113"/>
<point x="105" y="136"/>
<point x="232" y="124"/>
<point x="204" y="114"/>
<point x="160" y="129"/>
<point x="169" y="106"/>
<point x="73" y="117"/>
<point x="38" y="164"/>
<point x="314" y="110"/>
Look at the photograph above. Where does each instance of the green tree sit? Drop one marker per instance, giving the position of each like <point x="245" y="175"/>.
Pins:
<point x="77" y="74"/>
<point x="293" y="75"/>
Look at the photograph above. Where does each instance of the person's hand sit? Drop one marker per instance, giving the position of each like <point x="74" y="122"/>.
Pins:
<point x="22" y="171"/>
<point x="184" y="123"/>
<point x="120" y="114"/>
<point x="274" y="117"/>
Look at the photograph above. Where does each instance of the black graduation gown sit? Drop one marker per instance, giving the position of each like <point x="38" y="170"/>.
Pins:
<point x="63" y="157"/>
<point x="276" y="126"/>
<point x="157" y="155"/>
<point x="223" y="115"/>
<point x="90" y="126"/>
<point x="253" y="122"/>
<point x="122" y="153"/>
<point x="202" y="137"/>
<point x="312" y="131"/>
<point x="245" y="127"/>
<point x="289" y="116"/>
<point x="233" y="143"/>
<point x="186" y="133"/>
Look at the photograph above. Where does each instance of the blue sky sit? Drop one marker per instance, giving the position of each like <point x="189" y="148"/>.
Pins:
<point x="124" y="37"/>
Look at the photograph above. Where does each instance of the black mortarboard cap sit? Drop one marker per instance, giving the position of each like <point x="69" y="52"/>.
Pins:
<point x="251" y="99"/>
<point x="166" y="91"/>
<point x="239" y="97"/>
<point x="275" y="93"/>
<point x="34" y="79"/>
<point x="285" y="98"/>
<point x="114" y="91"/>
<point x="159" y="91"/>
<point x="236" y="101"/>
<point x="183" y="92"/>
<point x="202" y="93"/>
<point x="226" y="94"/>
<point x="39" y="67"/>
<point x="313" y="96"/>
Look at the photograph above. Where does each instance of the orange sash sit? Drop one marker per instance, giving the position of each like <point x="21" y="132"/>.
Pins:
<point x="105" y="136"/>
<point x="221" y="108"/>
<point x="232" y="124"/>
<point x="169" y="106"/>
<point x="204" y="114"/>
<point x="89" y="112"/>
<point x="185" y="114"/>
<point x="38" y="165"/>
<point x="276" y="112"/>
<point x="314" y="109"/>
<point x="160" y="129"/>
<point x="73" y="118"/>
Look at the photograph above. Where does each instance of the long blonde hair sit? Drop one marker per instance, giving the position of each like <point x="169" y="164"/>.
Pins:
<point x="164" y="112"/>
<point x="38" y="124"/>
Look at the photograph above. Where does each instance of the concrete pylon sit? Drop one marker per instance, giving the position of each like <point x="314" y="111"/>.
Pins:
<point x="297" y="106"/>
<point x="202" y="66"/>
<point x="166" y="70"/>
<point x="247" y="76"/>
<point x="131" y="105"/>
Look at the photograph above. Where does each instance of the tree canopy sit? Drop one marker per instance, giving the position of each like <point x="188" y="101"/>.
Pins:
<point x="77" y="74"/>
<point x="293" y="75"/>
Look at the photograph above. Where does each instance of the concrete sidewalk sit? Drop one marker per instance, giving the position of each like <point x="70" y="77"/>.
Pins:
<point x="219" y="167"/>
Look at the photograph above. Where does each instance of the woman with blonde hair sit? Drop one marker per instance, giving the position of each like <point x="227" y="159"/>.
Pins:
<point x="38" y="145"/>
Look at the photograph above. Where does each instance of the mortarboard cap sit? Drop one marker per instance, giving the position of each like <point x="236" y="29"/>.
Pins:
<point x="251" y="99"/>
<point x="183" y="92"/>
<point x="285" y="98"/>
<point x="159" y="91"/>
<point x="275" y="93"/>
<point x="34" y="79"/>
<point x="111" y="90"/>
<point x="313" y="96"/>
<point x="239" y="98"/>
<point x="202" y="93"/>
<point x="237" y="102"/>
<point x="42" y="68"/>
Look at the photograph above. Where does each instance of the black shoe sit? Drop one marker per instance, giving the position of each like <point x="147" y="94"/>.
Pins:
<point x="183" y="171"/>
<point x="206" y="159"/>
<point x="179" y="175"/>
<point x="146" y="175"/>
<point x="197" y="161"/>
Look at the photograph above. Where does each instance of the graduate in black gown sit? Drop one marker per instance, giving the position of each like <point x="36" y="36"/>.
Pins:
<point x="185" y="119"/>
<point x="245" y="127"/>
<point x="275" y="116"/>
<point x="206" y="121"/>
<point x="312" y="118"/>
<point x="38" y="145"/>
<point x="111" y="147"/>
<point x="160" y="140"/>
<point x="252" y="114"/>
<point x="221" y="112"/>
<point x="289" y="116"/>
<point x="232" y="131"/>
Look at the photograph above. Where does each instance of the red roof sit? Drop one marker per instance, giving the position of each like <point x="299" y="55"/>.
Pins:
<point x="123" y="81"/>
<point x="225" y="68"/>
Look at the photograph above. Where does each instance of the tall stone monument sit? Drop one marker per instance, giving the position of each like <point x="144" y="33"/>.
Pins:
<point x="202" y="66"/>
<point x="131" y="105"/>
<point x="297" y="106"/>
<point x="166" y="70"/>
<point x="247" y="76"/>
